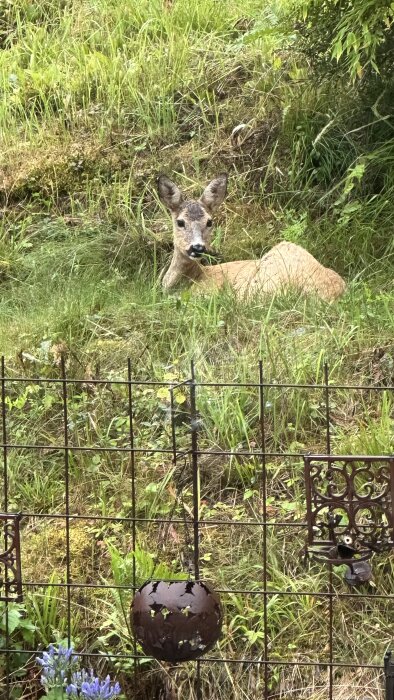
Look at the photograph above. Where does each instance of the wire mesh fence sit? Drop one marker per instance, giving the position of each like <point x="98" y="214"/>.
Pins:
<point x="107" y="483"/>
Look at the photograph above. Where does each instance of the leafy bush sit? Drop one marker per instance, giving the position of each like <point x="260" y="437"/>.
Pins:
<point x="355" y="34"/>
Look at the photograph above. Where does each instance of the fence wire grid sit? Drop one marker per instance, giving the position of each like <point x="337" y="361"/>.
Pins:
<point x="177" y="520"/>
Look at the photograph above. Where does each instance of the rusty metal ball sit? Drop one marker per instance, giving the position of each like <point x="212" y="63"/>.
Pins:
<point x="176" y="621"/>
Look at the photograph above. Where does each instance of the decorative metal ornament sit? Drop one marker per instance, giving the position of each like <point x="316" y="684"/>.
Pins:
<point x="176" y="621"/>
<point x="349" y="511"/>
<point x="10" y="559"/>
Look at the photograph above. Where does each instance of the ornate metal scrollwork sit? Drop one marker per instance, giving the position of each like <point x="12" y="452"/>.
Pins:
<point x="10" y="559"/>
<point x="349" y="510"/>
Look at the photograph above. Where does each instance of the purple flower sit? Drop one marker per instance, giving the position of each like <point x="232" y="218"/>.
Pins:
<point x="60" y="669"/>
<point x="77" y="678"/>
<point x="99" y="690"/>
<point x="56" y="665"/>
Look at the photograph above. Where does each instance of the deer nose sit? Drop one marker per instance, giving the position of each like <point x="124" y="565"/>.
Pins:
<point x="197" y="250"/>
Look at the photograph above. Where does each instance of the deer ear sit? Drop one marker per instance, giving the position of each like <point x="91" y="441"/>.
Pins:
<point x="169" y="193"/>
<point x="215" y="192"/>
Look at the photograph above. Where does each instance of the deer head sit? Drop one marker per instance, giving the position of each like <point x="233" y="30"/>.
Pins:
<point x="192" y="218"/>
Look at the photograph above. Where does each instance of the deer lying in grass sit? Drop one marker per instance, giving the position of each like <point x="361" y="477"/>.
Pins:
<point x="285" y="266"/>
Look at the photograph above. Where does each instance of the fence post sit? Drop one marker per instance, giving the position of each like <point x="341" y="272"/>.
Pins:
<point x="264" y="496"/>
<point x="133" y="506"/>
<point x="196" y="498"/>
<point x="389" y="675"/>
<point x="5" y="506"/>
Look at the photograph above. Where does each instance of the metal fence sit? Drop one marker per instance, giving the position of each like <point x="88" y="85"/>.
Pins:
<point x="181" y="445"/>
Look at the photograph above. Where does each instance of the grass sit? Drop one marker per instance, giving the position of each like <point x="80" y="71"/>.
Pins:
<point x="97" y="98"/>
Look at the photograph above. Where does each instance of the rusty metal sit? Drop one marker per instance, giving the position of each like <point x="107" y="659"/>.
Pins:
<point x="330" y="576"/>
<point x="66" y="460"/>
<point x="176" y="621"/>
<point x="263" y="449"/>
<point x="264" y="497"/>
<point x="389" y="675"/>
<point x="349" y="510"/>
<point x="158" y="383"/>
<point x="10" y="560"/>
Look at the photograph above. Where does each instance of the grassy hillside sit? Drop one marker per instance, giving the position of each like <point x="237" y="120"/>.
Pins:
<point x="98" y="97"/>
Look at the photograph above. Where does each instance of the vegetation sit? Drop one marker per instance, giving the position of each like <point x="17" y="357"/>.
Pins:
<point x="97" y="97"/>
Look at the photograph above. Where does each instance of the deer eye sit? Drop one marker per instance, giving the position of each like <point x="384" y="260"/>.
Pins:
<point x="180" y="223"/>
<point x="209" y="223"/>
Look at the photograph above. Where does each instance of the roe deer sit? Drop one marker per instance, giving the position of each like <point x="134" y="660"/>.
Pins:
<point x="286" y="265"/>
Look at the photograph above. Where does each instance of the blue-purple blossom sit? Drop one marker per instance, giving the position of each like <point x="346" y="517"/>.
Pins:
<point x="89" y="687"/>
<point x="60" y="670"/>
<point x="57" y="665"/>
<point x="76" y="680"/>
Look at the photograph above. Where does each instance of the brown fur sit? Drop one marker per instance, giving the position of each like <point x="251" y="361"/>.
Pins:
<point x="285" y="266"/>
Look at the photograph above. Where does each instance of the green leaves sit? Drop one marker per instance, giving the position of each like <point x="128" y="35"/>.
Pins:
<point x="351" y="32"/>
<point x="17" y="621"/>
<point x="55" y="694"/>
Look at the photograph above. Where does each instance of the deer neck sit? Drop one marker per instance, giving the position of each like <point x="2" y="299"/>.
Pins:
<point x="181" y="268"/>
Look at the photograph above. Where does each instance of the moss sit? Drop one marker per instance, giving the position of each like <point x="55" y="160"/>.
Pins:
<point x="44" y="552"/>
<point x="52" y="169"/>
